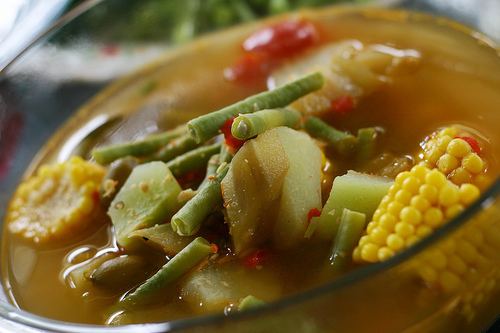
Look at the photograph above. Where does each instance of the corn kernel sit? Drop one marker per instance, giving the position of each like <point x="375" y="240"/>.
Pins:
<point x="410" y="215"/>
<point x="447" y="163"/>
<point x="443" y="141"/>
<point x="473" y="163"/>
<point x="453" y="211"/>
<point x="384" y="253"/>
<point x="364" y="240"/>
<point x="449" y="281"/>
<point x="378" y="235"/>
<point x="356" y="254"/>
<point x="412" y="240"/>
<point x="435" y="178"/>
<point x="404" y="229"/>
<point x="394" y="208"/>
<point x="369" y="252"/>
<point x="448" y="195"/>
<point x="450" y="131"/>
<point x="468" y="193"/>
<point x="429" y="192"/>
<point x="395" y="242"/>
<point x="411" y="184"/>
<point x="401" y="177"/>
<point x="467" y="252"/>
<point x="377" y="214"/>
<point x="432" y="155"/>
<point x="433" y="217"/>
<point x="387" y="221"/>
<point x="437" y="259"/>
<point x="428" y="274"/>
<point x="370" y="226"/>
<point x="457" y="265"/>
<point x="420" y="203"/>
<point x="460" y="176"/>
<point x="458" y="148"/>
<point x="403" y="197"/>
<point x="423" y="231"/>
<point x="419" y="171"/>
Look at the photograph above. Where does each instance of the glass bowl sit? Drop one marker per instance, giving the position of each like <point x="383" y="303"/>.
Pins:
<point x="41" y="89"/>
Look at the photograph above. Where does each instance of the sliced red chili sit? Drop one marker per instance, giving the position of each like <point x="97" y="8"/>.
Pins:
<point x="256" y="258"/>
<point x="283" y="39"/>
<point x="314" y="212"/>
<point x="249" y="68"/>
<point x="342" y="105"/>
<point x="232" y="143"/>
<point x="472" y="142"/>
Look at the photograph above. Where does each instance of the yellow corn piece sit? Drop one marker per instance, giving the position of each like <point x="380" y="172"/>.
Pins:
<point x="419" y="201"/>
<point x="447" y="151"/>
<point x="56" y="202"/>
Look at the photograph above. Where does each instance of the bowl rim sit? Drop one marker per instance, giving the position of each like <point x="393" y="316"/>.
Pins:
<point x="16" y="315"/>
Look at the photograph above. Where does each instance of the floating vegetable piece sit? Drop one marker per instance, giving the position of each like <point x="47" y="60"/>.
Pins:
<point x="189" y="218"/>
<point x="78" y="276"/>
<point x="456" y="154"/>
<point x="148" y="197"/>
<point x="219" y="285"/>
<point x="343" y="142"/>
<point x="174" y="148"/>
<point x="120" y="273"/>
<point x="163" y="237"/>
<point x="419" y="201"/>
<point x="355" y="191"/>
<point x="179" y="265"/>
<point x="252" y="186"/>
<point x="207" y="126"/>
<point x="139" y="148"/>
<point x="250" y="302"/>
<point x="249" y="125"/>
<point x="115" y="177"/>
<point x="351" y="227"/>
<point x="57" y="203"/>
<point x="192" y="160"/>
<point x="366" y="142"/>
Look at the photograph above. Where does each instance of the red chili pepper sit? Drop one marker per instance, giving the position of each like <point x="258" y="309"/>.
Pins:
<point x="214" y="248"/>
<point x="250" y="68"/>
<point x="256" y="258"/>
<point x="233" y="143"/>
<point x="472" y="143"/>
<point x="283" y="39"/>
<point x="342" y="105"/>
<point x="314" y="212"/>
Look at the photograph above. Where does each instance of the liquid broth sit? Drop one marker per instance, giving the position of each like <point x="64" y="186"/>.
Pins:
<point x="458" y="81"/>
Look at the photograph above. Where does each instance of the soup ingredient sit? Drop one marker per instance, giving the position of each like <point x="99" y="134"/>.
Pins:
<point x="351" y="70"/>
<point x="219" y="285"/>
<point x="282" y="39"/>
<point x="343" y="142"/>
<point x="456" y="154"/>
<point x="187" y="221"/>
<point x="175" y="148"/>
<point x="163" y="237"/>
<point x="355" y="191"/>
<point x="207" y="126"/>
<point x="366" y="142"/>
<point x="120" y="273"/>
<point x="78" y="276"/>
<point x="246" y="126"/>
<point x="148" y="197"/>
<point x="180" y="264"/>
<point x="57" y="203"/>
<point x="115" y="177"/>
<point x="192" y="160"/>
<point x="250" y="302"/>
<point x="139" y="148"/>
<point x="351" y="227"/>
<point x="419" y="201"/>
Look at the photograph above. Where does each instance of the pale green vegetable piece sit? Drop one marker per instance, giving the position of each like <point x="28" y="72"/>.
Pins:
<point x="301" y="190"/>
<point x="148" y="197"/>
<point x="250" y="302"/>
<point x="355" y="191"/>
<point x="163" y="237"/>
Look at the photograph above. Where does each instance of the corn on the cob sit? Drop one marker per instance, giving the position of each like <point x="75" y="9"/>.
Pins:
<point x="456" y="153"/>
<point x="56" y="201"/>
<point x="419" y="201"/>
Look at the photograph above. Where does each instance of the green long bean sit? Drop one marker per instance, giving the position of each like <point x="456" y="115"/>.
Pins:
<point x="189" y="218"/>
<point x="139" y="148"/>
<point x="207" y="126"/>
<point x="246" y="126"/>
<point x="180" y="264"/>
<point x="343" y="142"/>
<point x="192" y="160"/>
<point x="350" y="231"/>
<point x="175" y="148"/>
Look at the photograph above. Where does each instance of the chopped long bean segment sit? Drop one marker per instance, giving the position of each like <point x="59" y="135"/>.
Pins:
<point x="189" y="218"/>
<point x="192" y="160"/>
<point x="250" y="302"/>
<point x="366" y="143"/>
<point x="146" y="146"/>
<point x="343" y="142"/>
<point x="350" y="231"/>
<point x="246" y="126"/>
<point x="175" y="148"/>
<point x="179" y="265"/>
<point x="207" y="126"/>
<point x="212" y="165"/>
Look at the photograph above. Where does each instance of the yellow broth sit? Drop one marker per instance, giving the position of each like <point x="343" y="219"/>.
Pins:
<point x="457" y="81"/>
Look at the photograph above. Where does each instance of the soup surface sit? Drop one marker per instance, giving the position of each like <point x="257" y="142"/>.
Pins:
<point x="438" y="78"/>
